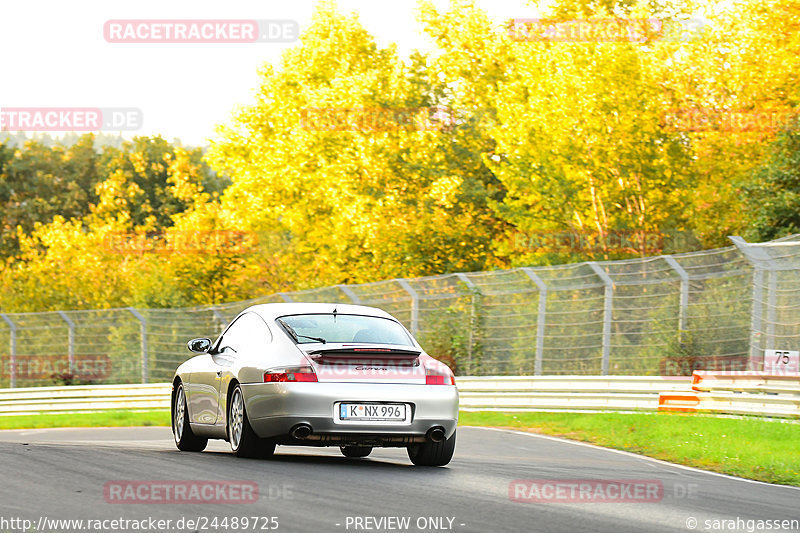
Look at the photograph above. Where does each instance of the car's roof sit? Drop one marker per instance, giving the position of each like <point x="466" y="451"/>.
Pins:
<point x="273" y="311"/>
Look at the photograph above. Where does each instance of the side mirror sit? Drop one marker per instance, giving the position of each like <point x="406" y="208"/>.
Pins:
<point x="199" y="345"/>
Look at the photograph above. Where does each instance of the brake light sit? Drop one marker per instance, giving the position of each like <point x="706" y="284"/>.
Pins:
<point x="439" y="375"/>
<point x="290" y="375"/>
<point x="436" y="380"/>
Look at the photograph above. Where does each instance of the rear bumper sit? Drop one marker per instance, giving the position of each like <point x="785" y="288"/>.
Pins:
<point x="275" y="408"/>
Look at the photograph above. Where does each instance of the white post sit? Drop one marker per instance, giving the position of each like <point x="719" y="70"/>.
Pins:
<point x="758" y="259"/>
<point x="12" y="347"/>
<point x="414" y="305"/>
<point x="684" y="303"/>
<point x="143" y="332"/>
<point x="70" y="340"/>
<point x="607" y="313"/>
<point x="540" y="319"/>
<point x="219" y="317"/>
<point x="772" y="309"/>
<point x="350" y="294"/>
<point x="473" y="313"/>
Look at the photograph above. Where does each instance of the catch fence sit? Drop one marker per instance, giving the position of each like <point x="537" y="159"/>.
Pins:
<point x="666" y="315"/>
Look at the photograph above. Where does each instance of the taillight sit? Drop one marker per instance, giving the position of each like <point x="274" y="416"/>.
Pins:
<point x="437" y="380"/>
<point x="290" y="375"/>
<point x="439" y="375"/>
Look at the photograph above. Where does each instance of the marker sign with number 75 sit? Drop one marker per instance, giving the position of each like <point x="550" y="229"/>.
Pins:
<point x="781" y="361"/>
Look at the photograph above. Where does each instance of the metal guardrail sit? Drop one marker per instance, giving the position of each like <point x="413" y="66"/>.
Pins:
<point x="746" y="393"/>
<point x="750" y="404"/>
<point x="84" y="399"/>
<point x="752" y="382"/>
<point x="477" y="394"/>
<point x="545" y="393"/>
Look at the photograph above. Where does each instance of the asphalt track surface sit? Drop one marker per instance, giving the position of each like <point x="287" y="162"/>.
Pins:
<point x="61" y="474"/>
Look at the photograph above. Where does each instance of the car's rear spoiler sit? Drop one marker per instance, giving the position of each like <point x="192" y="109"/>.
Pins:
<point x="347" y="353"/>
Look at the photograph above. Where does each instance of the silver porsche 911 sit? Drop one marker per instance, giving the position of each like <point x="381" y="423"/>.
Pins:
<point x="315" y="375"/>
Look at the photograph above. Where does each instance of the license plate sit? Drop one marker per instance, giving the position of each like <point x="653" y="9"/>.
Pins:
<point x="372" y="412"/>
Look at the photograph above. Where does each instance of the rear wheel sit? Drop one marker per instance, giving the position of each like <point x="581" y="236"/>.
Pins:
<point x="181" y="430"/>
<point x="356" y="451"/>
<point x="244" y="441"/>
<point x="433" y="453"/>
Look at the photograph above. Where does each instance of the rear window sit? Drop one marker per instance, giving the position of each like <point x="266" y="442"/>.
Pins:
<point x="313" y="328"/>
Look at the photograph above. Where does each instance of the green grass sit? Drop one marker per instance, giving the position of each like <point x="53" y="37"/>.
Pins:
<point x="85" y="420"/>
<point x="746" y="447"/>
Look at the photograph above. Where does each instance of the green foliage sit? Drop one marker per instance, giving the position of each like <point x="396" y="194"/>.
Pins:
<point x="354" y="164"/>
<point x="142" y="186"/>
<point x="39" y="182"/>
<point x="101" y="139"/>
<point x="453" y="334"/>
<point x="776" y="191"/>
<point x="354" y="201"/>
<point x="68" y="378"/>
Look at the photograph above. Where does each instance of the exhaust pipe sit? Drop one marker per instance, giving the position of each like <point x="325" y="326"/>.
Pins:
<point x="301" y="431"/>
<point x="435" y="434"/>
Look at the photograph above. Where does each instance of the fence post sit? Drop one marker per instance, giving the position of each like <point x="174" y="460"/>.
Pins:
<point x="756" y="362"/>
<point x="684" y="303"/>
<point x="756" y="258"/>
<point x="414" y="305"/>
<point x="143" y="330"/>
<point x="473" y="314"/>
<point x="607" y="312"/>
<point x="219" y="317"/>
<point x="350" y="294"/>
<point x="541" y="317"/>
<point x="70" y="340"/>
<point x="772" y="309"/>
<point x="12" y="347"/>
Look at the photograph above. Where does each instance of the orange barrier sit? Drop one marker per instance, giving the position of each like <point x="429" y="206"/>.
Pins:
<point x="686" y="402"/>
<point x="746" y="381"/>
<point x="737" y="392"/>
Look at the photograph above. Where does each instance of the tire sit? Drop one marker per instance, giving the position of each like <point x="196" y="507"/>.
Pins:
<point x="356" y="451"/>
<point x="433" y="453"/>
<point x="244" y="441"/>
<point x="185" y="439"/>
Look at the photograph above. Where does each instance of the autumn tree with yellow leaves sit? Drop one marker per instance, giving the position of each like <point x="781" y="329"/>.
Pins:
<point x="353" y="164"/>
